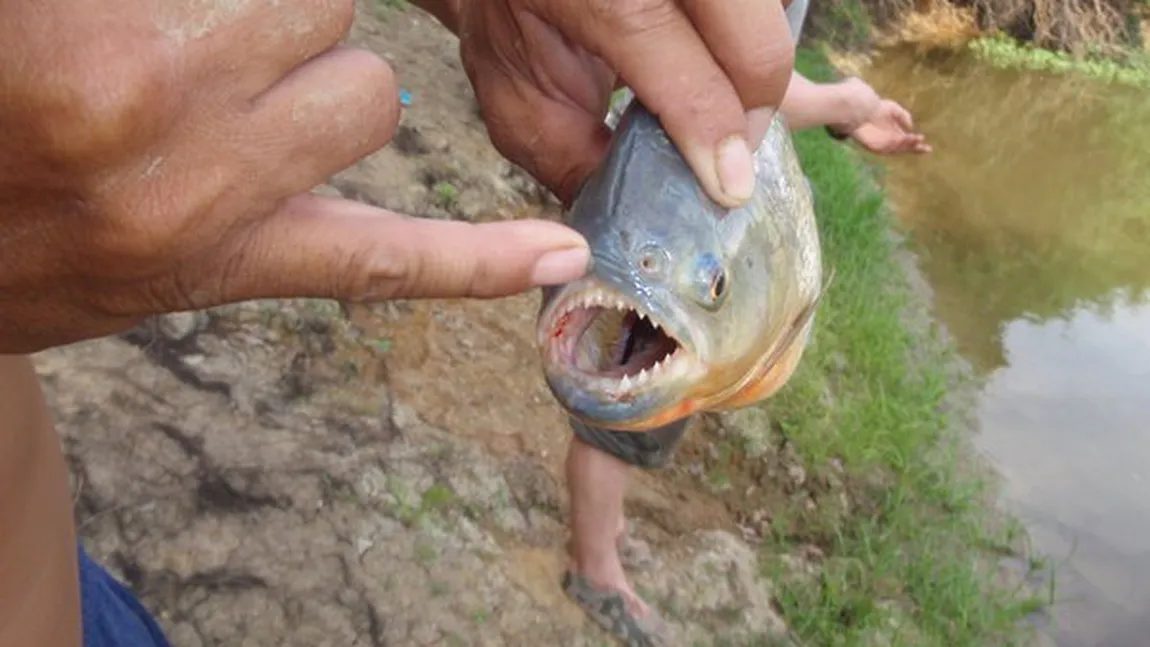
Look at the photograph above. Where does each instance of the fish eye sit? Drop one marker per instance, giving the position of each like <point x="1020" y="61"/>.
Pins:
<point x="718" y="285"/>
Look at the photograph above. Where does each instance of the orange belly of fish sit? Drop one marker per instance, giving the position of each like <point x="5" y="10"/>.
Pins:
<point x="768" y="380"/>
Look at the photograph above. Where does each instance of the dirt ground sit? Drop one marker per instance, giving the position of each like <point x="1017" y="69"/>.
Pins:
<point x="288" y="474"/>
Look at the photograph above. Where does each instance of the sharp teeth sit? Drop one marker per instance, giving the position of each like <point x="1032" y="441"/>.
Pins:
<point x="643" y="377"/>
<point x="598" y="297"/>
<point x="625" y="383"/>
<point x="643" y="316"/>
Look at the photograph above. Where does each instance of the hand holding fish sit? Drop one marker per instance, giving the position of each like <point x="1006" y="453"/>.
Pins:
<point x="543" y="71"/>
<point x="175" y="174"/>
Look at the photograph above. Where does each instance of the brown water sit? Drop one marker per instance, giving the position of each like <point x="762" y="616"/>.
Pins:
<point x="1032" y="220"/>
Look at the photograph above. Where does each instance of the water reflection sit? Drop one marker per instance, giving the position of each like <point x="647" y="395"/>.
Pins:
<point x="1032" y="220"/>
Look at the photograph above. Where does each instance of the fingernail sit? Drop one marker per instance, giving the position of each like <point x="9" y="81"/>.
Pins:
<point x="561" y="266"/>
<point x="736" y="171"/>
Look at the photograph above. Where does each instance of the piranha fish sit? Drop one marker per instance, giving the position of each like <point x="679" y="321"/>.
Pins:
<point x="688" y="306"/>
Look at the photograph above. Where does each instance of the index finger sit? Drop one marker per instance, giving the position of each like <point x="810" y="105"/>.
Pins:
<point x="659" y="53"/>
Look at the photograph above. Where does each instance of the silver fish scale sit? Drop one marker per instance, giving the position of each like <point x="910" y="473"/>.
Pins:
<point x="793" y="195"/>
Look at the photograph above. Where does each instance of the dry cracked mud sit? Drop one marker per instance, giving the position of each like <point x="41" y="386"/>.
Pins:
<point x="290" y="473"/>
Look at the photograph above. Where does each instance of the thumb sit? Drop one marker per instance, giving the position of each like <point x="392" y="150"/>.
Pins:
<point x="322" y="247"/>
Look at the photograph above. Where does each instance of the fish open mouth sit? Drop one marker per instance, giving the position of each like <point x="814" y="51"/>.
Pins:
<point x="600" y="337"/>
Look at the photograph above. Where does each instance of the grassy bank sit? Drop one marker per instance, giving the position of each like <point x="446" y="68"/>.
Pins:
<point x="1100" y="40"/>
<point x="1130" y="68"/>
<point x="904" y="562"/>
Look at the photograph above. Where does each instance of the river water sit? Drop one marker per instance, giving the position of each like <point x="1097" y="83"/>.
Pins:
<point x="1032" y="223"/>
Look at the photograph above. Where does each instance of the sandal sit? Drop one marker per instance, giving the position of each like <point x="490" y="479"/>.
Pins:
<point x="609" y="609"/>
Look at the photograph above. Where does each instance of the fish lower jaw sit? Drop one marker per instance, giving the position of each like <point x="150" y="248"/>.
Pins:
<point x="676" y="366"/>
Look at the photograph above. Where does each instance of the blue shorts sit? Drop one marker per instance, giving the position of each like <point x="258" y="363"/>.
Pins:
<point x="112" y="615"/>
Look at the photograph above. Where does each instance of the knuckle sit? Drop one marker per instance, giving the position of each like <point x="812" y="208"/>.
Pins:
<point x="106" y="116"/>
<point x="630" y="17"/>
<point x="128" y="88"/>
<point x="471" y="274"/>
<point x="762" y="71"/>
<point x="367" y="274"/>
<point x="710" y="107"/>
<point x="482" y="281"/>
<point x="702" y="99"/>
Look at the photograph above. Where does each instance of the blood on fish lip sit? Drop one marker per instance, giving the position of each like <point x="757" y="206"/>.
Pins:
<point x="560" y="325"/>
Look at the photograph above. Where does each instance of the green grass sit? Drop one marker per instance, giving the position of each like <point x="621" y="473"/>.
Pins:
<point x="846" y="23"/>
<point x="902" y="562"/>
<point x="1126" y="67"/>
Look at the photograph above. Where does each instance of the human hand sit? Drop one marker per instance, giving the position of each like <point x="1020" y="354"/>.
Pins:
<point x="890" y="131"/>
<point x="543" y="71"/>
<point x="160" y="162"/>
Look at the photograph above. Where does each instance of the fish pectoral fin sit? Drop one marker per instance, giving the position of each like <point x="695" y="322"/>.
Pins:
<point x="783" y="359"/>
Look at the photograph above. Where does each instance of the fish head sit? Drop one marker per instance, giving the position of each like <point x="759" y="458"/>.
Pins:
<point x="677" y="310"/>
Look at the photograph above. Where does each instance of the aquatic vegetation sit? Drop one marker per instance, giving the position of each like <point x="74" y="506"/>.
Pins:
<point x="998" y="50"/>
